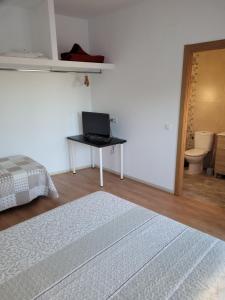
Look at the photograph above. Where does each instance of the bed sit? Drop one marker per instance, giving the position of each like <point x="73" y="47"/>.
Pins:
<point x="22" y="180"/>
<point x="103" y="247"/>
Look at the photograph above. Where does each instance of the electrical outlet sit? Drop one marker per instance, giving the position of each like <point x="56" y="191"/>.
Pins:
<point x="112" y="150"/>
<point x="114" y="120"/>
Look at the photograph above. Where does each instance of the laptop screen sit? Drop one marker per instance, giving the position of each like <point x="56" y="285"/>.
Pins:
<point x="96" y="124"/>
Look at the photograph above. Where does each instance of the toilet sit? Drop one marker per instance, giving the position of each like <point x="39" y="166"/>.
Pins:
<point x="203" y="143"/>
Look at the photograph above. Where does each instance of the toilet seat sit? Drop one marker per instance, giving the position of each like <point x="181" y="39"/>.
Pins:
<point x="195" y="152"/>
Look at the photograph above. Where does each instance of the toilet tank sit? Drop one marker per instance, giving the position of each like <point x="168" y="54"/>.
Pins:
<point x="204" y="140"/>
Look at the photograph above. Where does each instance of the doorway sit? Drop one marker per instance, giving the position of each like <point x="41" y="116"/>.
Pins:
<point x="188" y="132"/>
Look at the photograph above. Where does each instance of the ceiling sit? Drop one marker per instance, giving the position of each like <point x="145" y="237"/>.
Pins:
<point x="89" y="8"/>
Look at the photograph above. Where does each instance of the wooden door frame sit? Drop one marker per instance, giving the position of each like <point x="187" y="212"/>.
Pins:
<point x="189" y="51"/>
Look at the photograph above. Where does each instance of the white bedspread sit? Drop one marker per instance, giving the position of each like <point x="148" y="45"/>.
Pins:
<point x="103" y="247"/>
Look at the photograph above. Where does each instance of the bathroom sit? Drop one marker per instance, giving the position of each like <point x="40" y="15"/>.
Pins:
<point x="204" y="169"/>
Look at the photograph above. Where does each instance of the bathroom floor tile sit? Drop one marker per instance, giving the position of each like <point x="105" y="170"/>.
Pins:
<point x="206" y="188"/>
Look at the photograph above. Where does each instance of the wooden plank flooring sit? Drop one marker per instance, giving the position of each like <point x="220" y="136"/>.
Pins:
<point x="200" y="214"/>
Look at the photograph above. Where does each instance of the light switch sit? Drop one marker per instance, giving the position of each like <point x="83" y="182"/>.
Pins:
<point x="168" y="126"/>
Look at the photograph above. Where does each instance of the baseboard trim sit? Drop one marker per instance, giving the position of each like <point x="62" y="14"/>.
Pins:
<point x="118" y="173"/>
<point x="158" y="187"/>
<point x="70" y="170"/>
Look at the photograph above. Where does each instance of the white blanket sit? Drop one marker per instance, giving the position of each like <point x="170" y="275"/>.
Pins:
<point x="103" y="247"/>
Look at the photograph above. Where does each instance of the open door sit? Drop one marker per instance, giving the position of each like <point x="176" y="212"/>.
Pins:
<point x="189" y="51"/>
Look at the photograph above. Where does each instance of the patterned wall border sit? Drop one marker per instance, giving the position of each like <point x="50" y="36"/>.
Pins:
<point x="192" y="102"/>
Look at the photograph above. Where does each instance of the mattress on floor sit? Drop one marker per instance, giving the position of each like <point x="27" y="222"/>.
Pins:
<point x="22" y="180"/>
<point x="103" y="247"/>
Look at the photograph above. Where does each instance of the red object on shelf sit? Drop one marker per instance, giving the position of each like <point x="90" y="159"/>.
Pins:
<point x="78" y="54"/>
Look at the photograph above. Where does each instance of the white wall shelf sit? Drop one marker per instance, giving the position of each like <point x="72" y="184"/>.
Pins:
<point x="25" y="64"/>
<point x="31" y="26"/>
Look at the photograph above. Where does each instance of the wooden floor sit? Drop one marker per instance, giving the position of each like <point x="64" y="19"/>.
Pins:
<point x="200" y="214"/>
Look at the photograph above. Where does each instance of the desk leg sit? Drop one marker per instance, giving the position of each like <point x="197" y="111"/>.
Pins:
<point x="101" y="167"/>
<point x="121" y="162"/>
<point x="72" y="156"/>
<point x="92" y="158"/>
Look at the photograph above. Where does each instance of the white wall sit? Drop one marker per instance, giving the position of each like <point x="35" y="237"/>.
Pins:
<point x="146" y="43"/>
<point x="41" y="31"/>
<point x="23" y="28"/>
<point x="76" y="32"/>
<point x="39" y="110"/>
<point x="14" y="28"/>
